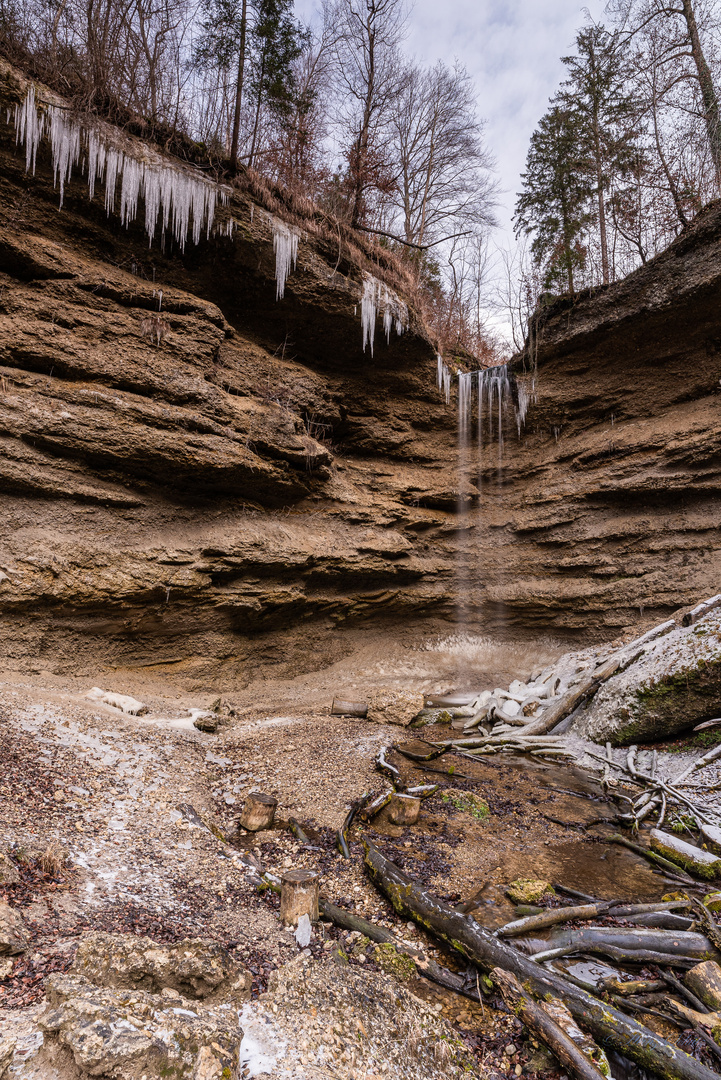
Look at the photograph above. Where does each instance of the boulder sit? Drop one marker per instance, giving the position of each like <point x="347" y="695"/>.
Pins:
<point x="13" y="934"/>
<point x="394" y="706"/>
<point x="194" y="968"/>
<point x="9" y="874"/>
<point x="527" y="890"/>
<point x="674" y="685"/>
<point x="126" y="1034"/>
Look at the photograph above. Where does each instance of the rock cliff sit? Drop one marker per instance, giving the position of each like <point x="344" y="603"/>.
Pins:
<point x="190" y="481"/>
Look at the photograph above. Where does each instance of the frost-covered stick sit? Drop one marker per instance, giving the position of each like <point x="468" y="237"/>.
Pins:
<point x="702" y="815"/>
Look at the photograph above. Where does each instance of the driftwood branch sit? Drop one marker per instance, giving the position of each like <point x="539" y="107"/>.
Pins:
<point x="611" y="1028"/>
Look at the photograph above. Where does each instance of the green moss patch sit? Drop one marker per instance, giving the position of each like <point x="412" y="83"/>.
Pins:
<point x="467" y="803"/>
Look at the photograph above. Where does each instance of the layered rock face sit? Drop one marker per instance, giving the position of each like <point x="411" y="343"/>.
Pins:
<point x="616" y="480"/>
<point x="200" y="483"/>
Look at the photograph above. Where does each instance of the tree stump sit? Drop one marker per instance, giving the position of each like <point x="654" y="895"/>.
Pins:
<point x="299" y="891"/>
<point x="258" y="811"/>
<point x="404" y="809"/>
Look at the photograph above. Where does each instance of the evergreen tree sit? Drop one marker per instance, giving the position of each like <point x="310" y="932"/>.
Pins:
<point x="278" y="41"/>
<point x="222" y="44"/>
<point x="603" y="110"/>
<point x="554" y="202"/>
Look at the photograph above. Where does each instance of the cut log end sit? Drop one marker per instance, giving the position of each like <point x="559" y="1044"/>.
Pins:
<point x="359" y="709"/>
<point x="404" y="809"/>
<point x="258" y="812"/>
<point x="299" y="893"/>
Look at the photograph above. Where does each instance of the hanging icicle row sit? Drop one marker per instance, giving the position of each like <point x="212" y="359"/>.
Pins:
<point x="183" y="201"/>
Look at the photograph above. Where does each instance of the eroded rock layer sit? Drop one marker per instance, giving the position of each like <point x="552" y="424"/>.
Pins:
<point x="195" y="482"/>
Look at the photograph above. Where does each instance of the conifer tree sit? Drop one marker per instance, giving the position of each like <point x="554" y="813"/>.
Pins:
<point x="596" y="94"/>
<point x="554" y="203"/>
<point x="277" y="42"/>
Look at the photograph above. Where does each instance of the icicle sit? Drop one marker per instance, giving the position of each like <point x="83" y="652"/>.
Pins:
<point x="64" y="145"/>
<point x="369" y="301"/>
<point x="171" y="193"/>
<point x="379" y="297"/>
<point x="252" y="208"/>
<point x="465" y="390"/>
<point x="285" y="245"/>
<point x="388" y="324"/>
<point x="29" y="126"/>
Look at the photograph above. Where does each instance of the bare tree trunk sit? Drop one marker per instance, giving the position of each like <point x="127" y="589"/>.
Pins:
<point x="708" y="90"/>
<point x="257" y="112"/>
<point x="239" y="89"/>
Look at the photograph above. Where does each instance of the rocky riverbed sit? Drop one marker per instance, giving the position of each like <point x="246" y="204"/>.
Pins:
<point x="128" y="825"/>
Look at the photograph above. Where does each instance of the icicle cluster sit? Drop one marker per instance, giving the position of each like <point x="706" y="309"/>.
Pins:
<point x="494" y="390"/>
<point x="526" y="395"/>
<point x="180" y="200"/>
<point x="443" y="378"/>
<point x="285" y="246"/>
<point x="376" y="298"/>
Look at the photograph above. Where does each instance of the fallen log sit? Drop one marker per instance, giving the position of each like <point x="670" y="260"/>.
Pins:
<point x="435" y="752"/>
<point x="258" y="811"/>
<point x="540" y="1024"/>
<point x="634" y="986"/>
<point x="383" y="766"/>
<point x="700" y="610"/>
<point x="359" y="709"/>
<point x="682" y="943"/>
<point x="368" y="812"/>
<point x="684" y="991"/>
<point x="424" y="966"/>
<point x="659" y="860"/>
<point x="554" y="916"/>
<point x="403" y="809"/>
<point x="298" y="896"/>
<point x="708" y="921"/>
<point x="610" y="1027"/>
<point x="704" y="981"/>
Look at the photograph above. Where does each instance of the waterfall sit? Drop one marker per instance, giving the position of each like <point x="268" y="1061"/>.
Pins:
<point x="173" y="195"/>
<point x="379" y="297"/>
<point x="285" y="246"/>
<point x="493" y="394"/>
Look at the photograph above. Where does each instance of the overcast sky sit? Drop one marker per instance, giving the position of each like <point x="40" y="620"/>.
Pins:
<point x="512" y="49"/>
